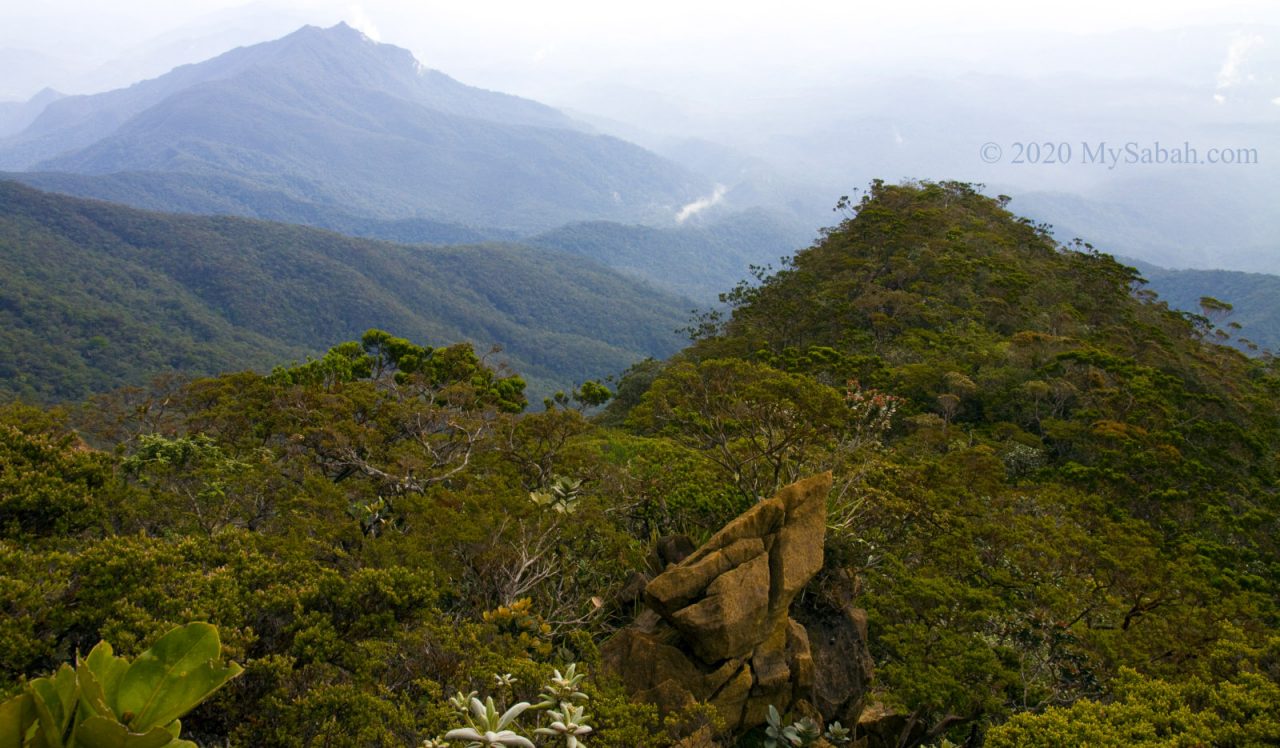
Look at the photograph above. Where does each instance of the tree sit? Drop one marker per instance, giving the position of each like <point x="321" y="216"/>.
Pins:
<point x="47" y="475"/>
<point x="764" y="427"/>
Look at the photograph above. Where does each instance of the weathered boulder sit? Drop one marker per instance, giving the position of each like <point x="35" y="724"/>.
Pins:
<point x="716" y="627"/>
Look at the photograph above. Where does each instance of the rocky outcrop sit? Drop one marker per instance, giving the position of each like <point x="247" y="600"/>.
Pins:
<point x="716" y="627"/>
<point x="838" y="640"/>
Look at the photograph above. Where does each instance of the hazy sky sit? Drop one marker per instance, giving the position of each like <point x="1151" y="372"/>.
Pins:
<point x="539" y="45"/>
<point x="825" y="92"/>
<point x="634" y="25"/>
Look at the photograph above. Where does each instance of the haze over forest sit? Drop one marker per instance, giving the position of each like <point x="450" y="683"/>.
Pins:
<point x="793" y="109"/>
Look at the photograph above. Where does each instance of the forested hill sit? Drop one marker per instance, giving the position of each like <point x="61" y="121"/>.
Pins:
<point x="982" y="322"/>
<point x="208" y="194"/>
<point x="1250" y="315"/>
<point x="95" y="295"/>
<point x="1052" y="518"/>
<point x="699" y="261"/>
<point x="1050" y="476"/>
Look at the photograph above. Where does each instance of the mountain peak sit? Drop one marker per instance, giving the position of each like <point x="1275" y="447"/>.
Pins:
<point x="342" y="27"/>
<point x="46" y="95"/>
<point x="342" y="36"/>
<point x="333" y="107"/>
<point x="340" y="30"/>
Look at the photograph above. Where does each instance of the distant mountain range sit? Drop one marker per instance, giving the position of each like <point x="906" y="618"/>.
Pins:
<point x="16" y="116"/>
<point x="223" y="195"/>
<point x="329" y="129"/>
<point x="1254" y="297"/>
<point x="95" y="295"/>
<point x="1223" y="219"/>
<point x="330" y="118"/>
<point x="699" y="261"/>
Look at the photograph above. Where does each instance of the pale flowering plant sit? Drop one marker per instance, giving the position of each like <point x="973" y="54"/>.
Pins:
<point x="505" y="681"/>
<point x="488" y="728"/>
<point x="800" y="734"/>
<point x="838" y="734"/>
<point x="461" y="702"/>
<point x="569" y="724"/>
<point x="563" y="688"/>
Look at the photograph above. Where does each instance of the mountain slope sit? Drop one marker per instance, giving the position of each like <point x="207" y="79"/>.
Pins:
<point x="220" y="195"/>
<point x="939" y="295"/>
<point x="340" y="55"/>
<point x="1255" y="298"/>
<point x="16" y="116"/>
<point x="330" y="117"/>
<point x="1049" y="479"/>
<point x="697" y="261"/>
<point x="95" y="295"/>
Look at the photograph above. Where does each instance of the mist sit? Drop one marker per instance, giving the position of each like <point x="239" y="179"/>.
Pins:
<point x="1149" y="129"/>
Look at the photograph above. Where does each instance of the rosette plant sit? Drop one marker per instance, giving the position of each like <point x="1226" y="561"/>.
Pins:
<point x="563" y="688"/>
<point x="488" y="729"/>
<point x="568" y="724"/>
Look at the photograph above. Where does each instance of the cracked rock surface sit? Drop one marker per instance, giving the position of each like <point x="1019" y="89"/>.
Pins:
<point x="717" y="627"/>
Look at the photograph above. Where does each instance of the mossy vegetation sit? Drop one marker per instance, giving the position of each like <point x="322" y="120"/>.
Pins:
<point x="1057" y="496"/>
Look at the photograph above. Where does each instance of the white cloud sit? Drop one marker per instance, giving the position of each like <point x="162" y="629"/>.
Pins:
<point x="701" y="204"/>
<point x="1231" y="72"/>
<point x="360" y="21"/>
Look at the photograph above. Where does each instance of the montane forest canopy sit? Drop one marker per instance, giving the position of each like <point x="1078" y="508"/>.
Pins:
<point x="1053" y="502"/>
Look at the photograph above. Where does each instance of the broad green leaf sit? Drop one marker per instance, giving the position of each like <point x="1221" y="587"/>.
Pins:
<point x="55" y="701"/>
<point x="107" y="670"/>
<point x="93" y="700"/>
<point x="174" y="675"/>
<point x="17" y="717"/>
<point x="102" y="732"/>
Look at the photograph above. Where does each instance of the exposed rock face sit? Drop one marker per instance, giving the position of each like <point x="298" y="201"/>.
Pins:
<point x="717" y="628"/>
<point x="838" y="639"/>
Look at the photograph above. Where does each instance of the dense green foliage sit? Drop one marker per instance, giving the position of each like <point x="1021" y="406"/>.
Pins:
<point x="1077" y="480"/>
<point x="209" y="194"/>
<point x="1056" y="495"/>
<point x="362" y="530"/>
<point x="94" y="295"/>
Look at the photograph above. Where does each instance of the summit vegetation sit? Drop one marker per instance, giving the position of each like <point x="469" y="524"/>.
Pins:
<point x="1054" y="496"/>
